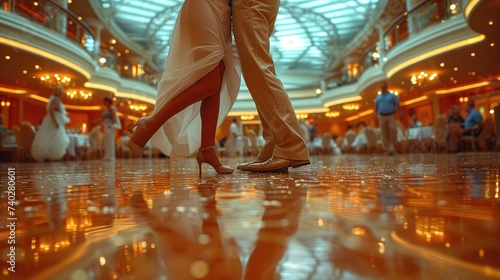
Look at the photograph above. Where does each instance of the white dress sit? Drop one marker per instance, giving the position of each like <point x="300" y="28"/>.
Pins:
<point x="200" y="40"/>
<point x="51" y="143"/>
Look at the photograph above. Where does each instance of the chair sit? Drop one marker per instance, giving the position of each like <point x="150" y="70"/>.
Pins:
<point x="94" y="151"/>
<point x="8" y="144"/>
<point x="326" y="147"/>
<point x="439" y="134"/>
<point x="28" y="133"/>
<point x="482" y="138"/>
<point x="371" y="141"/>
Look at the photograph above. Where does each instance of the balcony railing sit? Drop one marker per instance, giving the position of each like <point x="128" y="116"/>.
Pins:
<point x="424" y="15"/>
<point x="55" y="17"/>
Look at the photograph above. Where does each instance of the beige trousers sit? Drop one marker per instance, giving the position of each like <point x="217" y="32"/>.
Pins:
<point x="253" y="24"/>
<point x="388" y="131"/>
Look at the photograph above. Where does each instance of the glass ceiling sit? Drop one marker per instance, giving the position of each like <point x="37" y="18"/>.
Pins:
<point x="308" y="33"/>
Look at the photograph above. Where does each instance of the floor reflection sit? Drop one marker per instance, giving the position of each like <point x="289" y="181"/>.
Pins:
<point x="419" y="216"/>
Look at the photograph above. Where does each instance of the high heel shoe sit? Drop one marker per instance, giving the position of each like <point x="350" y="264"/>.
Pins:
<point x="135" y="149"/>
<point x="200" y="158"/>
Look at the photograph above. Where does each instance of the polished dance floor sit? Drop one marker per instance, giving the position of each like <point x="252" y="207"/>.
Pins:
<point x="414" y="216"/>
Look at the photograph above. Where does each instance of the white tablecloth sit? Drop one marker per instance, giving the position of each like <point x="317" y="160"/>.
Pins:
<point x="419" y="133"/>
<point x="77" y="141"/>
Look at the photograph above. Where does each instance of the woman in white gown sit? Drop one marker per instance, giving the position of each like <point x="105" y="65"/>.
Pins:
<point x="198" y="88"/>
<point x="51" y="141"/>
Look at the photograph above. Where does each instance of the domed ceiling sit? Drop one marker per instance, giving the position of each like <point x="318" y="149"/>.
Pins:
<point x="311" y="36"/>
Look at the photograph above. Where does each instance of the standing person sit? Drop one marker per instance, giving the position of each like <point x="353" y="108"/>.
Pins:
<point x="111" y="123"/>
<point x="51" y="141"/>
<point x="386" y="107"/>
<point x="231" y="143"/>
<point x="198" y="88"/>
<point x="253" y="24"/>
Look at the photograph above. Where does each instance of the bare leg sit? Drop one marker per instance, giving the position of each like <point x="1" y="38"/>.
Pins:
<point x="203" y="88"/>
<point x="209" y="114"/>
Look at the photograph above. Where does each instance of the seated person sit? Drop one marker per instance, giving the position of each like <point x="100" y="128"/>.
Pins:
<point x="414" y="122"/>
<point x="360" y="141"/>
<point x="3" y="130"/>
<point x="348" y="138"/>
<point x="456" y="130"/>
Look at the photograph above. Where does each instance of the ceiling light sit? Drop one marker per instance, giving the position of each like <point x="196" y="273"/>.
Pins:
<point x="473" y="54"/>
<point x="442" y="64"/>
<point x="247" y="117"/>
<point x="35" y="4"/>
<point x="490" y="22"/>
<point x="492" y="112"/>
<point x="127" y="51"/>
<point x="318" y="91"/>
<point x="350" y="107"/>
<point x="80" y="18"/>
<point x="111" y="48"/>
<point x="456" y="68"/>
<point x="492" y="44"/>
<point x="25" y="72"/>
<point x="37" y="67"/>
<point x="70" y="1"/>
<point x="301" y="116"/>
<point x="79" y="95"/>
<point x="332" y="114"/>
<point x="7" y="57"/>
<point x="113" y="41"/>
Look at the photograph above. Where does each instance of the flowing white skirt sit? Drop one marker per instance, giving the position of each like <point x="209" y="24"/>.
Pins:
<point x="200" y="40"/>
<point x="51" y="143"/>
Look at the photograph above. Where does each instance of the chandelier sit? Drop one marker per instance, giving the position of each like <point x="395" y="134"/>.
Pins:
<point x="138" y="107"/>
<point x="332" y="114"/>
<point x="350" y="107"/>
<point x="79" y="95"/>
<point x="55" y="79"/>
<point x="423" y="78"/>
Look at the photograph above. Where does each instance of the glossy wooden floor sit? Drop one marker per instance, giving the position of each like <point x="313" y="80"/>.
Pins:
<point x="417" y="216"/>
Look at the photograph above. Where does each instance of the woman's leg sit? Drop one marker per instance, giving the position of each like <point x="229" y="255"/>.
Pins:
<point x="209" y="114"/>
<point x="208" y="85"/>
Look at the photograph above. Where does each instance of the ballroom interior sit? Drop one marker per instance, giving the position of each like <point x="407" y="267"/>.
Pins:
<point x="427" y="212"/>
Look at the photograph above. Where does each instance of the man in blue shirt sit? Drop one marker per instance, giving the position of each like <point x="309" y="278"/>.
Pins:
<point x="456" y="131"/>
<point x="386" y="106"/>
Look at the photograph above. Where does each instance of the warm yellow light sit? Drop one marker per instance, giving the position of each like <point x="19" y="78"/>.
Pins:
<point x="412" y="101"/>
<point x="492" y="44"/>
<point x="442" y="64"/>
<point x="247" y="117"/>
<point x="455" y="69"/>
<point x="332" y="114"/>
<point x="473" y="54"/>
<point x="127" y="51"/>
<point x="490" y="22"/>
<point x="18" y="45"/>
<point x="135" y="96"/>
<point x="113" y="41"/>
<point x="492" y="112"/>
<point x="343" y="100"/>
<point x="435" y="52"/>
<point x="7" y="57"/>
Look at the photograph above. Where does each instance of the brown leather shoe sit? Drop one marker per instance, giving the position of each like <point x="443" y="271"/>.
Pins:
<point x="244" y="166"/>
<point x="276" y="164"/>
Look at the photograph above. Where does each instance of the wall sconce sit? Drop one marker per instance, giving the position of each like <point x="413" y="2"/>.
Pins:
<point x="463" y="99"/>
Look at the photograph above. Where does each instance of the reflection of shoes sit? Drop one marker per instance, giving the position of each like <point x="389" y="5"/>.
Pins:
<point x="276" y="164"/>
<point x="200" y="158"/>
<point x="244" y="166"/>
<point x="135" y="148"/>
